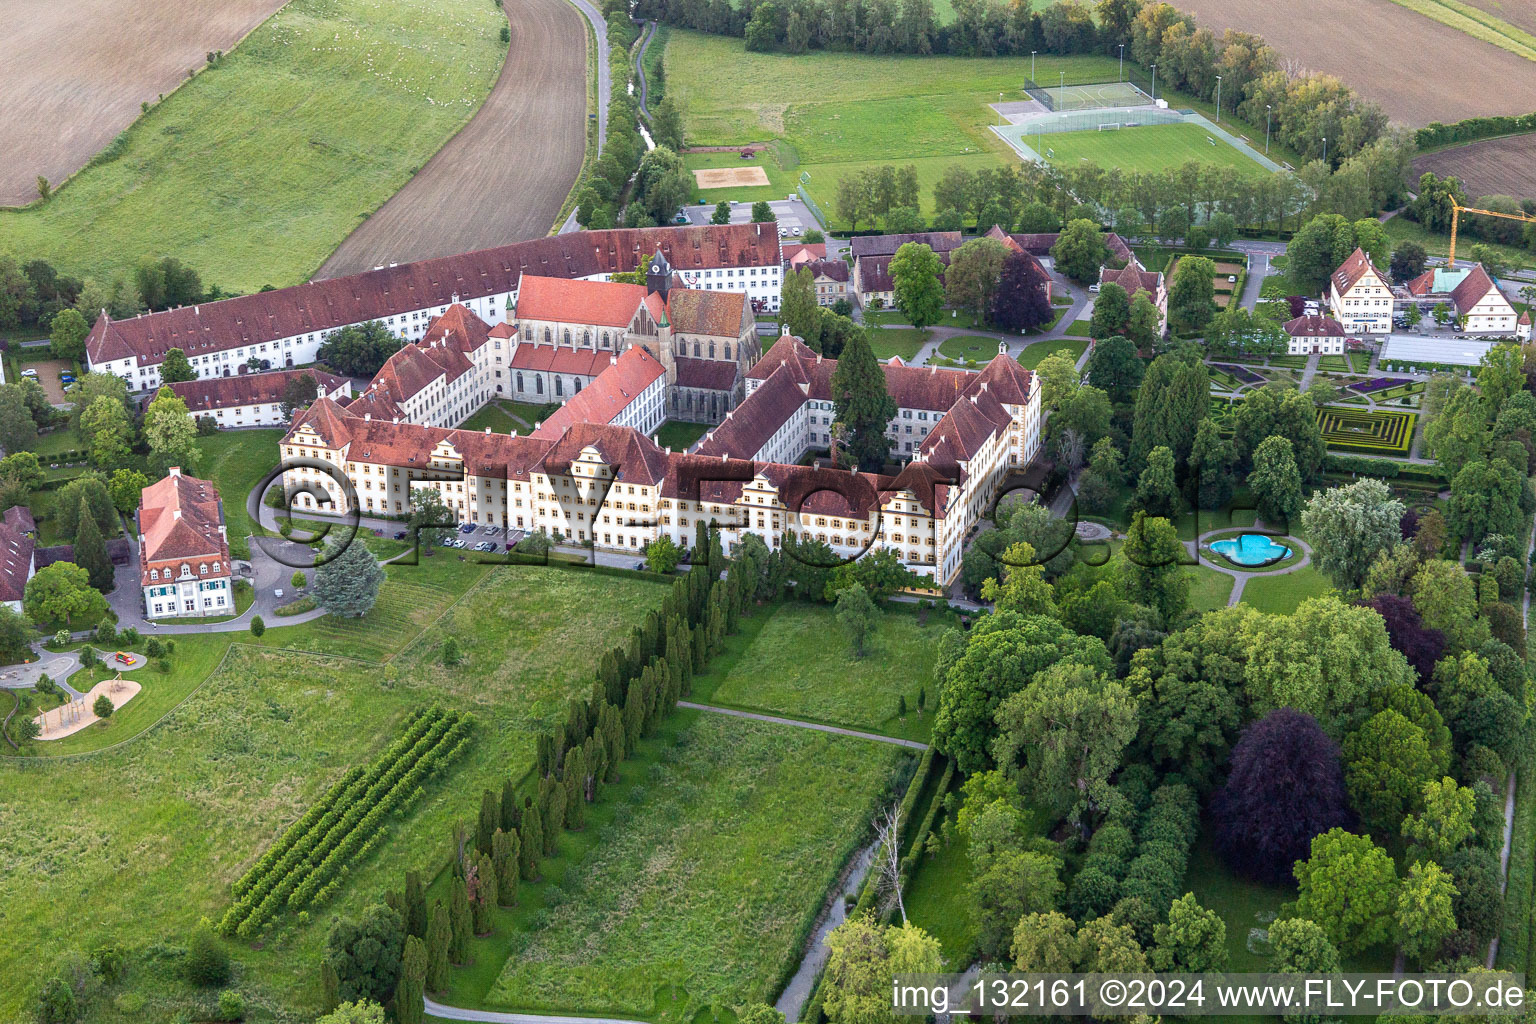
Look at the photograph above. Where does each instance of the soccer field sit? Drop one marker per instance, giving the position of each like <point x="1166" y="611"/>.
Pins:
<point x="1147" y="149"/>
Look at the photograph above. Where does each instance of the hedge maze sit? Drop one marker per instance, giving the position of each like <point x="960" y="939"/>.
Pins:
<point x="1374" y="433"/>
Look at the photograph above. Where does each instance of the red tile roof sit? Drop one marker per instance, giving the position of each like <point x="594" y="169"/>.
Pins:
<point x="748" y="427"/>
<point x="208" y="393"/>
<point x="836" y="270"/>
<point x="323" y="305"/>
<point x="580" y="362"/>
<point x="1352" y="270"/>
<point x="796" y="253"/>
<point x="602" y="303"/>
<point x="717" y="314"/>
<point x="1041" y="244"/>
<point x="638" y="459"/>
<point x="609" y="394"/>
<point x="1473" y="289"/>
<point x="16" y="550"/>
<point x="886" y="245"/>
<point x="181" y="521"/>
<point x="1314" y="327"/>
<point x="1132" y="278"/>
<point x="19" y="517"/>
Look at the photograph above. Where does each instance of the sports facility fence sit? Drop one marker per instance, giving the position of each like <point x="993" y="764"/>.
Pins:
<point x="1086" y="97"/>
<point x="1025" y="136"/>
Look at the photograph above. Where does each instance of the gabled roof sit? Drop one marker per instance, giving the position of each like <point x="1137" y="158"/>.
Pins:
<point x="578" y="362"/>
<point x="459" y="328"/>
<point x="1040" y="244"/>
<point x="609" y="394"/>
<point x="1353" y="269"/>
<point x="710" y="313"/>
<point x="181" y="520"/>
<point x="209" y="393"/>
<point x="748" y="427"/>
<point x="19" y="518"/>
<point x="797" y="253"/>
<point x="1133" y="279"/>
<point x="1473" y="288"/>
<point x="602" y="303"/>
<point x="16" y="550"/>
<point x="886" y="245"/>
<point x="710" y="374"/>
<point x="835" y="270"/>
<point x="636" y="456"/>
<point x="1314" y="327"/>
<point x="387" y="291"/>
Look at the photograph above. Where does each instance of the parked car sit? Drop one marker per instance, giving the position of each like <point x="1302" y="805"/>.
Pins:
<point x="466" y="528"/>
<point x="29" y="373"/>
<point x="399" y="535"/>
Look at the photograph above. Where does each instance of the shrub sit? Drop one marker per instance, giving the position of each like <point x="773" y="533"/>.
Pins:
<point x="55" y="1003"/>
<point x="106" y="632"/>
<point x="258" y="626"/>
<point x="299" y="607"/>
<point x="299" y="581"/>
<point x="231" y="1005"/>
<point x="207" y="962"/>
<point x="103" y="707"/>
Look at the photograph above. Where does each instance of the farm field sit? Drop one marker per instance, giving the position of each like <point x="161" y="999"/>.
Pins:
<point x="768" y="667"/>
<point x="1148" y="149"/>
<point x="1412" y="87"/>
<point x="705" y="889"/>
<point x="243" y="757"/>
<point x="1492" y="167"/>
<point x="298" y="134"/>
<point x="1513" y="11"/>
<point x="1477" y="23"/>
<point x="81" y="95"/>
<point x="460" y="201"/>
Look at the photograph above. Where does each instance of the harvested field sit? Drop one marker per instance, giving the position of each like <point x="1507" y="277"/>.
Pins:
<point x="84" y="68"/>
<point x="504" y="177"/>
<point x="1413" y="86"/>
<point x="730" y="177"/>
<point x="1492" y="167"/>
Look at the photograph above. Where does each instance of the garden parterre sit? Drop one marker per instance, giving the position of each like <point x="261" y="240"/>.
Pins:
<point x="1373" y="433"/>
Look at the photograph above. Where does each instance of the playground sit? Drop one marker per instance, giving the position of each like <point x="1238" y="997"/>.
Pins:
<point x="72" y="716"/>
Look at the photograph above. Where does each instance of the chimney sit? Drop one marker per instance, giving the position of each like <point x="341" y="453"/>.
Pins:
<point x="487" y="430"/>
<point x="367" y="416"/>
<point x="397" y="421"/>
<point x="175" y="471"/>
<point x="175" y="513"/>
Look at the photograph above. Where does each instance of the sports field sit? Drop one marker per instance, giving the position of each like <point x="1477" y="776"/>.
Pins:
<point x="303" y="130"/>
<point x="1148" y="149"/>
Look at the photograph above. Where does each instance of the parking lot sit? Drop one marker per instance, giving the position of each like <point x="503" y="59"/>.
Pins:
<point x="48" y="373"/>
<point x="794" y="217"/>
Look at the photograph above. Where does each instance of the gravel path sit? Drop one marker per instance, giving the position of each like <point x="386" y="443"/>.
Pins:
<point x="911" y="744"/>
<point x="437" y="1009"/>
<point x="645" y="42"/>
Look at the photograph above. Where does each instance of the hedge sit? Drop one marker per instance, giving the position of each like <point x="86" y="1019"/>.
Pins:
<point x="1435" y="134"/>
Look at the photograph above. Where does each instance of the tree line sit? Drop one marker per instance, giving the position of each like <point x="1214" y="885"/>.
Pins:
<point x="1305" y="107"/>
<point x="36" y="295"/>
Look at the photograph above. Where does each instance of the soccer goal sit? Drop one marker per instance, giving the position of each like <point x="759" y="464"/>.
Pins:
<point x="1112" y="126"/>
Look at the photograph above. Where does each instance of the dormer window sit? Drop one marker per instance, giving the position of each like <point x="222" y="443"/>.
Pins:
<point x="203" y="568"/>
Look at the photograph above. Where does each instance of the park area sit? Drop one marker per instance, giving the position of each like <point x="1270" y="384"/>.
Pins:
<point x="1370" y="433"/>
<point x="244" y="738"/>
<point x="299" y="133"/>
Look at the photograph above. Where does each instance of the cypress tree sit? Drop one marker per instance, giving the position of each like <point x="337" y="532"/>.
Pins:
<point x="558" y="756"/>
<point x="413" y="976"/>
<point x="509" y="816"/>
<point x="504" y="861"/>
<point x="634" y="657"/>
<point x="554" y="815"/>
<point x="330" y="986"/>
<point x="634" y="717"/>
<point x="530" y="842"/>
<point x="575" y="790"/>
<point x="701" y="542"/>
<point x="608" y="674"/>
<point x="483" y="903"/>
<point x="577" y="725"/>
<point x="649" y="630"/>
<point x="459" y="921"/>
<point x="91" y="551"/>
<point x="439" y="938"/>
<point x="415" y="915"/>
<point x="613" y="739"/>
<point x="490" y="820"/>
<point x="700" y="645"/>
<point x="597" y="764"/>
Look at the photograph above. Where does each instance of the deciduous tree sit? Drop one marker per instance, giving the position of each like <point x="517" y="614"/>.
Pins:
<point x="915" y="271"/>
<point x="1350" y="527"/>
<point x="1348" y="886"/>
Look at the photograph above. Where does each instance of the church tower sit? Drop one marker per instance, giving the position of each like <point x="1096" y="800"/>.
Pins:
<point x="658" y="282"/>
<point x="658" y="276"/>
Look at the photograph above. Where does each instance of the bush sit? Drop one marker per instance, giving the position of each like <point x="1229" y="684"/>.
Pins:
<point x="129" y="637"/>
<point x="258" y="627"/>
<point x="298" y="607"/>
<point x="106" y="632"/>
<point x="299" y="581"/>
<point x="231" y="1005"/>
<point x="103" y="707"/>
<point x="207" y="962"/>
<point x="55" y="1003"/>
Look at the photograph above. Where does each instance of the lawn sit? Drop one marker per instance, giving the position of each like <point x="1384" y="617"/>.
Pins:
<point x="1281" y="595"/>
<point x="499" y="417"/>
<point x="703" y="889"/>
<point x="938" y="903"/>
<point x="1149" y="149"/>
<point x="299" y="133"/>
<point x="680" y="436"/>
<point x="1031" y="356"/>
<point x="769" y="667"/>
<point x="781" y="180"/>
<point x="1401" y="229"/>
<point x="165" y="823"/>
<point x="1208" y="589"/>
<point x="905" y="342"/>
<point x="840" y="113"/>
<point x="974" y="347"/>
<point x="235" y="461"/>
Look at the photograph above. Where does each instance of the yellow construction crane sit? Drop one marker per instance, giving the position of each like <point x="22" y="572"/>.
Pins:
<point x="1457" y="211"/>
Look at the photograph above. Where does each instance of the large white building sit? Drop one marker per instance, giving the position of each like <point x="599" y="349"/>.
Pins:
<point x="1359" y="296"/>
<point x="253" y="399"/>
<point x="285" y="328"/>
<point x="184" y="565"/>
<point x="591" y="474"/>
<point x="1471" y="293"/>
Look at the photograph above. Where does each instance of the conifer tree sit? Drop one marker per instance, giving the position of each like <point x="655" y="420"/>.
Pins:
<point x="608" y="674"/>
<point x="544" y="757"/>
<point x="575" y="790"/>
<point x="490" y="820"/>
<point x="91" y="551"/>
<point x="439" y="939"/>
<point x="459" y="920"/>
<point x="613" y="737"/>
<point x="554" y="813"/>
<point x="597" y="764"/>
<point x="505" y="856"/>
<point x="483" y="894"/>
<point x="347" y="585"/>
<point x="413" y="976"/>
<point x="330" y="986"/>
<point x="634" y="716"/>
<point x="700" y="642"/>
<point x="862" y="406"/>
<point x="414" y="914"/>
<point x="530" y="844"/>
<point x="509" y="805"/>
